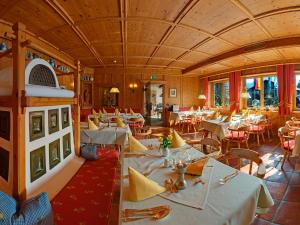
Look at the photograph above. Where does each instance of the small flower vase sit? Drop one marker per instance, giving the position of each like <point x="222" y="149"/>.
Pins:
<point x="165" y="151"/>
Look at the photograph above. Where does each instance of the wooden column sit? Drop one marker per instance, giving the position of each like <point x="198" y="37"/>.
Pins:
<point x="77" y="109"/>
<point x="19" y="163"/>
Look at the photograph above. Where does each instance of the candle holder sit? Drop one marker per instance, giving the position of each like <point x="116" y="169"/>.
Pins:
<point x="181" y="182"/>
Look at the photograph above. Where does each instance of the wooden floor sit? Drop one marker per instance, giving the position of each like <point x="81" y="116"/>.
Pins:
<point x="284" y="185"/>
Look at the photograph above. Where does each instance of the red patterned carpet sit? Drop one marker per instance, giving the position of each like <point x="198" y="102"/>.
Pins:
<point x="87" y="198"/>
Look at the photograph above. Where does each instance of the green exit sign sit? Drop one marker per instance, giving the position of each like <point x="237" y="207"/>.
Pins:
<point x="153" y="77"/>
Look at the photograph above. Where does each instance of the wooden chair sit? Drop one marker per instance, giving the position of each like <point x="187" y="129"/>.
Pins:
<point x="136" y="124"/>
<point x="257" y="129"/>
<point x="287" y="142"/>
<point x="188" y="123"/>
<point x="250" y="155"/>
<point x="238" y="135"/>
<point x="144" y="133"/>
<point x="209" y="145"/>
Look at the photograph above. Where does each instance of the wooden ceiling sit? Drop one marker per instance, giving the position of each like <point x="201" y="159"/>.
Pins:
<point x="195" y="36"/>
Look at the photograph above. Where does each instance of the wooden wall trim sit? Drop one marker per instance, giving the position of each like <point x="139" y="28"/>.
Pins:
<point x="77" y="110"/>
<point x="19" y="164"/>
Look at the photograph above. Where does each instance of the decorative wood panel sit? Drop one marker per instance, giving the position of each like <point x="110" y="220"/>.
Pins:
<point x="53" y="120"/>
<point x="54" y="153"/>
<point x="36" y="125"/>
<point x="4" y="163"/>
<point x="37" y="163"/>
<point x="5" y="125"/>
<point x="65" y="120"/>
<point x="67" y="145"/>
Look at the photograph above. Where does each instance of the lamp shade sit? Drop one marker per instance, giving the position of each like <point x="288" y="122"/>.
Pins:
<point x="201" y="96"/>
<point x="245" y="94"/>
<point x="114" y="90"/>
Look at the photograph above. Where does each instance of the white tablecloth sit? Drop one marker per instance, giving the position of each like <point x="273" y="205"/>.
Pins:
<point x="296" y="151"/>
<point x="216" y="126"/>
<point x="107" y="135"/>
<point x="124" y="116"/>
<point x="234" y="203"/>
<point x="177" y="116"/>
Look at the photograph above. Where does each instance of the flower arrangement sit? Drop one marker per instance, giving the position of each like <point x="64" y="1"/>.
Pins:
<point x="166" y="141"/>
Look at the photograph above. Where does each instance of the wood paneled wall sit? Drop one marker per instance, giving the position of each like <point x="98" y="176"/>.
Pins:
<point x="187" y="87"/>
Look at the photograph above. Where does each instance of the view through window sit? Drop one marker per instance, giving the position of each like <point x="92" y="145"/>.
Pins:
<point x="263" y="91"/>
<point x="220" y="93"/>
<point x="298" y="91"/>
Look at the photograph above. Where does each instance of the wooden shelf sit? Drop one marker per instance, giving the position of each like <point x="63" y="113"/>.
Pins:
<point x="43" y="101"/>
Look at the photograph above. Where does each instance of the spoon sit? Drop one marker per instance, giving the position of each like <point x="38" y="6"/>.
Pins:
<point x="228" y="177"/>
<point x="158" y="215"/>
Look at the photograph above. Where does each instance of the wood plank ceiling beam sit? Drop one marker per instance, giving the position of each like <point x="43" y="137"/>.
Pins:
<point x="67" y="18"/>
<point x="246" y="11"/>
<point x="190" y="5"/>
<point x="269" y="44"/>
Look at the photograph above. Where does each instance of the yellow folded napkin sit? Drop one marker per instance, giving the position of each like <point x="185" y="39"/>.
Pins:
<point x="177" y="141"/>
<point x="92" y="125"/>
<point x="140" y="187"/>
<point x="135" y="145"/>
<point x="131" y="111"/>
<point x="228" y="119"/>
<point x="192" y="108"/>
<point x="94" y="112"/>
<point x="117" y="112"/>
<point x="104" y="111"/>
<point x="96" y="119"/>
<point x="196" y="168"/>
<point x="198" y="109"/>
<point x="100" y="113"/>
<point x="120" y="122"/>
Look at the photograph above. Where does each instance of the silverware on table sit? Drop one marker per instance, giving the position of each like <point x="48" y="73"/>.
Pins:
<point x="152" y="213"/>
<point x="225" y="179"/>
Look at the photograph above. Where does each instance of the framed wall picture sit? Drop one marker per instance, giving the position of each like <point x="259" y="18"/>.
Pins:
<point x="54" y="153"/>
<point x="65" y="117"/>
<point x="53" y="121"/>
<point x="4" y="163"/>
<point x="37" y="163"/>
<point x="66" y="145"/>
<point x="36" y="125"/>
<point x="173" y="92"/>
<point x="5" y="125"/>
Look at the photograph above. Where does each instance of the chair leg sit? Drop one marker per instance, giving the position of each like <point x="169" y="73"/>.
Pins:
<point x="283" y="161"/>
<point x="247" y="145"/>
<point x="227" y="146"/>
<point x="263" y="137"/>
<point x="257" y="137"/>
<point x="239" y="145"/>
<point x="269" y="134"/>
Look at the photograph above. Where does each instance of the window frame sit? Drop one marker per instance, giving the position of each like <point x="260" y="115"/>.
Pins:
<point x="260" y="76"/>
<point x="212" y="94"/>
<point x="295" y="108"/>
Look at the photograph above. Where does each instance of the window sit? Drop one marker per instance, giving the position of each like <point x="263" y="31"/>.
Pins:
<point x="297" y="91"/>
<point x="263" y="91"/>
<point x="220" y="93"/>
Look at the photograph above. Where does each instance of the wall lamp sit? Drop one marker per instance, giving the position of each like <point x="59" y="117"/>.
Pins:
<point x="133" y="86"/>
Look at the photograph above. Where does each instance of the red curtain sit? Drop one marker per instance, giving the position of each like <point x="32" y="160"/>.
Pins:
<point x="281" y="84"/>
<point x="290" y="87"/>
<point x="205" y="89"/>
<point x="237" y="90"/>
<point x="232" y="91"/>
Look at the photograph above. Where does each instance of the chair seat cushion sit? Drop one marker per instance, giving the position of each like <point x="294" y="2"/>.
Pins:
<point x="8" y="207"/>
<point x="236" y="135"/>
<point x="135" y="125"/>
<point x="255" y="128"/>
<point x="289" y="144"/>
<point x="36" y="210"/>
<point x="89" y="152"/>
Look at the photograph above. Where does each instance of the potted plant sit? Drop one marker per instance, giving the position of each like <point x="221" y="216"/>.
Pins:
<point x="166" y="142"/>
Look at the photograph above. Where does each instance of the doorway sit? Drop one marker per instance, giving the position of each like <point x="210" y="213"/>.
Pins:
<point x="153" y="104"/>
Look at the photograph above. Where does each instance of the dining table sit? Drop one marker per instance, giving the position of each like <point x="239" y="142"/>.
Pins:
<point x="125" y="116"/>
<point x="209" y="203"/>
<point x="178" y="116"/>
<point x="105" y="135"/>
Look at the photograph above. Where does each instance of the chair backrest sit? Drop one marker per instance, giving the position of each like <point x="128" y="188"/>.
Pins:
<point x="250" y="155"/>
<point x="211" y="143"/>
